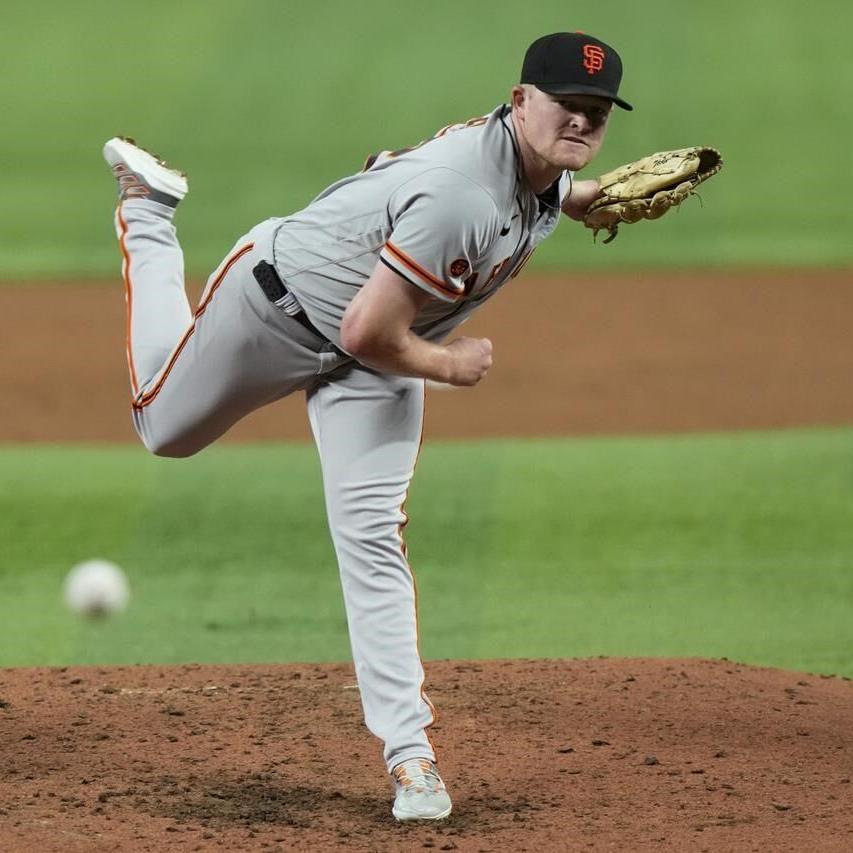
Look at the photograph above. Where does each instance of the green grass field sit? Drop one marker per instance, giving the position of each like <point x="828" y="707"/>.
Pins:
<point x="265" y="103"/>
<point x="734" y="546"/>
<point x="737" y="546"/>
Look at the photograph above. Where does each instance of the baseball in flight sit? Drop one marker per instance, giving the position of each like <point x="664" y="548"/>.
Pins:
<point x="96" y="588"/>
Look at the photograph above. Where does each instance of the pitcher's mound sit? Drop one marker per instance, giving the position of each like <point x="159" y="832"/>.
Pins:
<point x="605" y="754"/>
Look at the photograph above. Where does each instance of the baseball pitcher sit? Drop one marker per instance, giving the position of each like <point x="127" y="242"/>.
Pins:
<point x="351" y="301"/>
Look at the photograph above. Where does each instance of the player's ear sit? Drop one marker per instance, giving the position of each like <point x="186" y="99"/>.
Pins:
<point x="519" y="96"/>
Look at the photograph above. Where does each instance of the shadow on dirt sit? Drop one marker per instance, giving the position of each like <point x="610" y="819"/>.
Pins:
<point x="255" y="800"/>
<point x="262" y="800"/>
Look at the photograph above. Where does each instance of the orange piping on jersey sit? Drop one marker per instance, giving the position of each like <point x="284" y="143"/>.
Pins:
<point x="405" y="551"/>
<point x="497" y="269"/>
<point x="472" y="122"/>
<point x="521" y="264"/>
<point x="370" y="160"/>
<point x="412" y="265"/>
<point x="128" y="298"/>
<point x="408" y="150"/>
<point x="149" y="395"/>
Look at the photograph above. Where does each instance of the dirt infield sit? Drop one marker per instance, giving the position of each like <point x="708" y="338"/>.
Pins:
<point x="603" y="354"/>
<point x="540" y="756"/>
<point x="616" y="755"/>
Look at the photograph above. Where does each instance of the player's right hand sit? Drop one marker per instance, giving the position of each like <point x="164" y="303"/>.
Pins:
<point x="470" y="359"/>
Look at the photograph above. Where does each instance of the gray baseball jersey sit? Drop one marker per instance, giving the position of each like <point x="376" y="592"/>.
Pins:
<point x="453" y="216"/>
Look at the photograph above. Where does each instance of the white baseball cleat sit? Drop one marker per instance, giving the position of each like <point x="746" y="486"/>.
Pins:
<point x="421" y="794"/>
<point x="144" y="175"/>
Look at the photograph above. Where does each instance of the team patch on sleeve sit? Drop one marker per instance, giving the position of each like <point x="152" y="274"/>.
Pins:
<point x="406" y="266"/>
<point x="459" y="267"/>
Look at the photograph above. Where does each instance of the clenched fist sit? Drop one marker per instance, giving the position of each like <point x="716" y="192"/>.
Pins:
<point x="470" y="360"/>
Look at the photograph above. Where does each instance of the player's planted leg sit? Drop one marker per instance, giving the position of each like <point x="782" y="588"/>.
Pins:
<point x="368" y="428"/>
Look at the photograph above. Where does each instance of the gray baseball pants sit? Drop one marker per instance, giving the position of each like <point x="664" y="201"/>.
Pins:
<point x="195" y="374"/>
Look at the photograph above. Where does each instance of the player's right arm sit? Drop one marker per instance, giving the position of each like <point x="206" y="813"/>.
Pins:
<point x="376" y="330"/>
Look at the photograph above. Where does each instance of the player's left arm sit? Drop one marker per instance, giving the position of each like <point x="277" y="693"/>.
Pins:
<point x="581" y="196"/>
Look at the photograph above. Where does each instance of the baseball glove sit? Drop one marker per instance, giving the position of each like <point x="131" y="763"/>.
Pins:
<point x="648" y="188"/>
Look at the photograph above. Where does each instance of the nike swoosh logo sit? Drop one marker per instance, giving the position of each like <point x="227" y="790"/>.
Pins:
<point x="505" y="229"/>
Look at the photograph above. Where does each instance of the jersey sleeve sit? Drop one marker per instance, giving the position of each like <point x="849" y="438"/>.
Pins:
<point x="441" y="224"/>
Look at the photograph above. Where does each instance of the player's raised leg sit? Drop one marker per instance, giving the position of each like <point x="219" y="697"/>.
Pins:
<point x="158" y="312"/>
<point x="368" y="430"/>
<point x="194" y="375"/>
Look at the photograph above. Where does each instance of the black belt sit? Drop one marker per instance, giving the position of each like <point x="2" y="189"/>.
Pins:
<point x="274" y="289"/>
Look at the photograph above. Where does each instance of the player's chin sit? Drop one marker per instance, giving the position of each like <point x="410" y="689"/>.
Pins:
<point x="573" y="156"/>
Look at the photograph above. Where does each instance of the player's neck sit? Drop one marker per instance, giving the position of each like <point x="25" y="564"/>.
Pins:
<point x="538" y="172"/>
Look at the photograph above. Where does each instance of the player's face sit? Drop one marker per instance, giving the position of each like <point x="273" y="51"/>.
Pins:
<point x="564" y="131"/>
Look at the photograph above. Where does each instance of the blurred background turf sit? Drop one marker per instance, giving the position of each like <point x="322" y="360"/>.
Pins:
<point x="737" y="546"/>
<point x="264" y="103"/>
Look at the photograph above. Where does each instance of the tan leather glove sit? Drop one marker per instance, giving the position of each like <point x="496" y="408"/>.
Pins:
<point x="648" y="188"/>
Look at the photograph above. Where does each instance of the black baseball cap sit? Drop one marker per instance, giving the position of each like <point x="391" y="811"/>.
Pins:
<point x="574" y="64"/>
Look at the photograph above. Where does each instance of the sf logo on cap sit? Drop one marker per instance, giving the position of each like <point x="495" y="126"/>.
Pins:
<point x="593" y="58"/>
